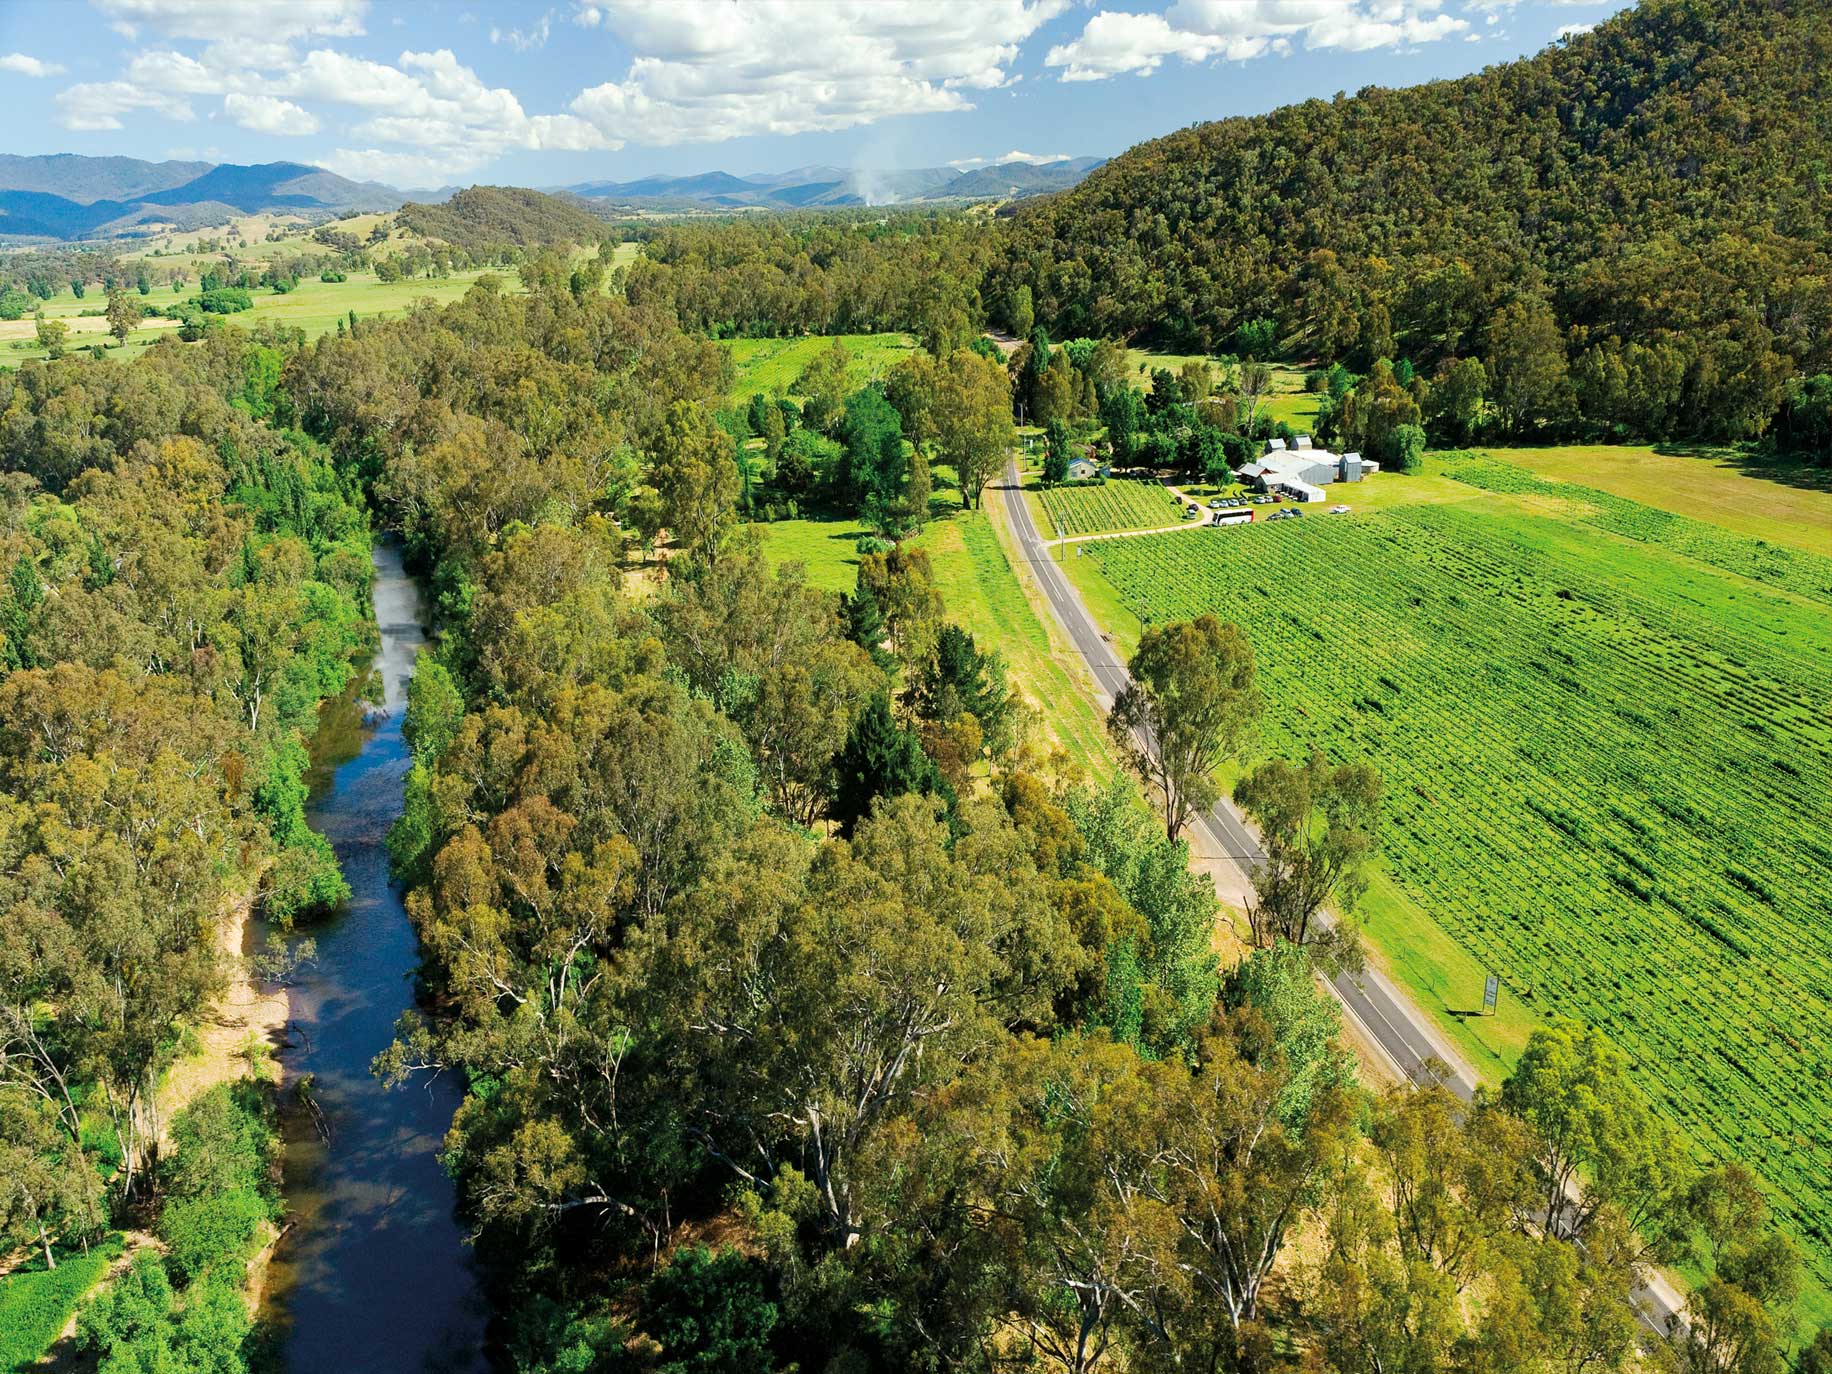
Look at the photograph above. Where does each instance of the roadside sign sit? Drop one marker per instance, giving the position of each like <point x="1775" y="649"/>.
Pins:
<point x="1491" y="991"/>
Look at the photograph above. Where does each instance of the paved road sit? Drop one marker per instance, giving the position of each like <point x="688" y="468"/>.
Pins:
<point x="1386" y="1017"/>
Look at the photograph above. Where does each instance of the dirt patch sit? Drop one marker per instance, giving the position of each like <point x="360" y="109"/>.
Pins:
<point x="243" y="1033"/>
<point x="242" y="1036"/>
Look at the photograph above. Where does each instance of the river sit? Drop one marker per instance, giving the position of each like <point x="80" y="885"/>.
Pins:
<point x="375" y="1274"/>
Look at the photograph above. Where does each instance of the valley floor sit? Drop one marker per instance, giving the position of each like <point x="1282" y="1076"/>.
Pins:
<point x="1431" y="952"/>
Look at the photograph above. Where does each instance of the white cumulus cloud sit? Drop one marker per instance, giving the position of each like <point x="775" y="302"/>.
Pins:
<point x="267" y="114"/>
<point x="24" y="65"/>
<point x="1572" y="30"/>
<point x="698" y="71"/>
<point x="93" y="105"/>
<point x="708" y="70"/>
<point x="228" y="21"/>
<point x="1114" y="42"/>
<point x="534" y="36"/>
<point x="432" y="103"/>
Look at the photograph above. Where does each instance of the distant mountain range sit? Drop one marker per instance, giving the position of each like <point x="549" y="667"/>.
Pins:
<point x="821" y="187"/>
<point x="64" y="196"/>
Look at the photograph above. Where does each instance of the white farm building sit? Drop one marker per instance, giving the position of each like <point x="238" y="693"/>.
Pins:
<point x="1299" y="472"/>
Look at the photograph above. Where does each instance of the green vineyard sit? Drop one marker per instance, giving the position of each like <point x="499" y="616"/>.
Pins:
<point x="1115" y="505"/>
<point x="1605" y="738"/>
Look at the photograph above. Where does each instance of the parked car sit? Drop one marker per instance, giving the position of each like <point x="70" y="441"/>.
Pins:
<point x="1216" y="504"/>
<point x="1338" y="510"/>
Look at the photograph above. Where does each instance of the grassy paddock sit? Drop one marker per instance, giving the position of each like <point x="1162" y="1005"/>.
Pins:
<point x="771" y="366"/>
<point x="1791" y="508"/>
<point x="982" y="593"/>
<point x="314" y="306"/>
<point x="35" y="1303"/>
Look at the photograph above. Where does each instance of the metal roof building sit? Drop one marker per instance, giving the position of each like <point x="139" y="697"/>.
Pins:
<point x="1304" y="465"/>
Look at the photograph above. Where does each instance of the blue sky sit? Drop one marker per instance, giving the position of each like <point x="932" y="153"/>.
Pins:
<point x="421" y="93"/>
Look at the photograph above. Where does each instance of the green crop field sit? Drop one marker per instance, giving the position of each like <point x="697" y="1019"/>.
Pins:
<point x="1603" y="730"/>
<point x="772" y="365"/>
<point x="1115" y="505"/>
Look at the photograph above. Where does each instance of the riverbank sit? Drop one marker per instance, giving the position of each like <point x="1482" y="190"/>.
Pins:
<point x="243" y="1037"/>
<point x="244" y="1033"/>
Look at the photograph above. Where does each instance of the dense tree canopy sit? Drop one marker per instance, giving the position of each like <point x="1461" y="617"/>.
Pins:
<point x="1629" y="229"/>
<point x="187" y="577"/>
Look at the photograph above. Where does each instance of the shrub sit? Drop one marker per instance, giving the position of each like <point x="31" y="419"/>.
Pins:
<point x="331" y="274"/>
<point x="206" y="1231"/>
<point x="304" y="881"/>
<point x="710" y="1314"/>
<point x="224" y="300"/>
<point x="139" y="1324"/>
<point x="218" y="1182"/>
<point x="35" y="1302"/>
<point x="1403" y="448"/>
<point x="194" y="324"/>
<point x="222" y="1141"/>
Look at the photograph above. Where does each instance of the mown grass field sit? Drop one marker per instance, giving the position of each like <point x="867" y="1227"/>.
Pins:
<point x="1114" y="505"/>
<point x="1791" y="507"/>
<point x="35" y="1303"/>
<point x="771" y="366"/>
<point x="1604" y="737"/>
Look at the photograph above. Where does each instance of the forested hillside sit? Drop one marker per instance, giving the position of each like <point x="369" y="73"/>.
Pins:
<point x="833" y="274"/>
<point x="485" y="219"/>
<point x="1632" y="225"/>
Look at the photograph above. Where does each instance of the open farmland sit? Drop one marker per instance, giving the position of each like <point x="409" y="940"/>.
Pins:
<point x="314" y="306"/>
<point x="1604" y="735"/>
<point x="771" y="366"/>
<point x="1115" y="505"/>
